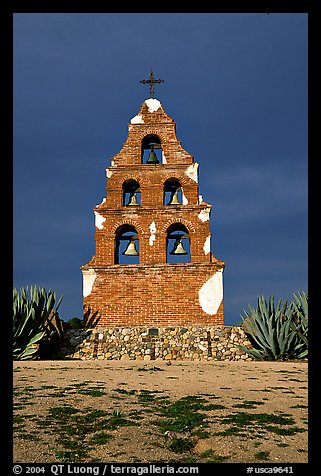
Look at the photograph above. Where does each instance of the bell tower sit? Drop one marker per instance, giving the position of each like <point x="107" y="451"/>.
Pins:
<point x="153" y="264"/>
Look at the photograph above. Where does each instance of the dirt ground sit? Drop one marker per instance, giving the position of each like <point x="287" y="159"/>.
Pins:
<point x="143" y="412"/>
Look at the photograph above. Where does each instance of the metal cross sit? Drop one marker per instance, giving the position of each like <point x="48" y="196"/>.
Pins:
<point x="151" y="81"/>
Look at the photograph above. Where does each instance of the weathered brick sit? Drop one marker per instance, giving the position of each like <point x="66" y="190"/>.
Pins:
<point x="153" y="292"/>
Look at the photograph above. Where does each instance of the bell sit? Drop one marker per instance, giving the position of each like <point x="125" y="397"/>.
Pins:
<point x="152" y="158"/>
<point x="132" y="199"/>
<point x="174" y="198"/>
<point x="131" y="249"/>
<point x="178" y="248"/>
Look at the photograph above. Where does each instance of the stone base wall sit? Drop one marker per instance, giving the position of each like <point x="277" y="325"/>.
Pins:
<point x="158" y="343"/>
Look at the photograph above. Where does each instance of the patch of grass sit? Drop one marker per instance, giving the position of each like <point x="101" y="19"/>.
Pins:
<point x="93" y="392"/>
<point x="257" y="443"/>
<point x="258" y="424"/>
<point x="63" y="411"/>
<point x="70" y="456"/>
<point x="183" y="415"/>
<point x="28" y="436"/>
<point x="92" y="416"/>
<point x="244" y="419"/>
<point x="213" y="406"/>
<point x="76" y="435"/>
<point x="201" y="433"/>
<point x="123" y="391"/>
<point x="212" y="457"/>
<point x="285" y="431"/>
<point x="248" y="404"/>
<point x="117" y="420"/>
<point x="262" y="455"/>
<point x="100" y="438"/>
<point x="180" y="445"/>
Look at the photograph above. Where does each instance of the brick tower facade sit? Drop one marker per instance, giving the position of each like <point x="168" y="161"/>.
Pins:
<point x="153" y="264"/>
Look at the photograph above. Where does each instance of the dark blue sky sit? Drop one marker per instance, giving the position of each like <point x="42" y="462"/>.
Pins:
<point x="235" y="84"/>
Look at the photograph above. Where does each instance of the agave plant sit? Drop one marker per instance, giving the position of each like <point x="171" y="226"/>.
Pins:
<point x="30" y="319"/>
<point x="300" y="322"/>
<point x="278" y="332"/>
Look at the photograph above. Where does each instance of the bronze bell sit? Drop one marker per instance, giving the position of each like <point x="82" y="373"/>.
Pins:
<point x="131" y="249"/>
<point x="174" y="198"/>
<point x="152" y="158"/>
<point x="132" y="199"/>
<point x="178" y="248"/>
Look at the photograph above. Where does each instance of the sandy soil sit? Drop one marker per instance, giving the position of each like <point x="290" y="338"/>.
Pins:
<point x="124" y="411"/>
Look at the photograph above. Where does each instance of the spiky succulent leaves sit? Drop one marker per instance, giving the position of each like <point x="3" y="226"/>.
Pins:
<point x="30" y="349"/>
<point x="301" y="323"/>
<point x="29" y="318"/>
<point x="277" y="332"/>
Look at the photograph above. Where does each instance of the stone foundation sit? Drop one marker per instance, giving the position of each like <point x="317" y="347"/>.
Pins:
<point x="152" y="343"/>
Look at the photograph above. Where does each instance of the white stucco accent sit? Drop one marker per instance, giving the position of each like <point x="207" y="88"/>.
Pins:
<point x="99" y="220"/>
<point x="152" y="104"/>
<point x="211" y="294"/>
<point x="152" y="229"/>
<point x="204" y="215"/>
<point x="164" y="161"/>
<point x="109" y="173"/>
<point x="137" y="119"/>
<point x="89" y="276"/>
<point x="112" y="163"/>
<point x="207" y="245"/>
<point x="184" y="199"/>
<point x="191" y="171"/>
<point x="103" y="201"/>
<point x="200" y="199"/>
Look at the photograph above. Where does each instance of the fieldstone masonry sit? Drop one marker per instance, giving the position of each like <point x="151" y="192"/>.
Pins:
<point x="156" y="343"/>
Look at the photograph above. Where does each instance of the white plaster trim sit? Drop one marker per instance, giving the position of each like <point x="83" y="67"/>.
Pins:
<point x="153" y="104"/>
<point x="191" y="171"/>
<point x="207" y="245"/>
<point x="137" y="119"/>
<point x="152" y="229"/>
<point x="204" y="215"/>
<point x="184" y="199"/>
<point x="164" y="161"/>
<point x="89" y="276"/>
<point x="109" y="173"/>
<point x="210" y="294"/>
<point x="99" y="220"/>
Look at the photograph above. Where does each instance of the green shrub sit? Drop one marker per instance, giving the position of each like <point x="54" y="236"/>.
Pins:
<point x="76" y="323"/>
<point x="278" y="332"/>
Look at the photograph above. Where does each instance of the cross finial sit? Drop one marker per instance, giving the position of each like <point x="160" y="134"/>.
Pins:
<point x="151" y="81"/>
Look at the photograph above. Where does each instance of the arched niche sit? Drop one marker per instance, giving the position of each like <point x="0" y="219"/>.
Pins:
<point x="178" y="244"/>
<point x="173" y="194"/>
<point x="131" y="194"/>
<point x="152" y="153"/>
<point x="126" y="245"/>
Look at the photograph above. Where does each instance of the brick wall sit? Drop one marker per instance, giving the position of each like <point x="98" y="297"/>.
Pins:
<point x="153" y="292"/>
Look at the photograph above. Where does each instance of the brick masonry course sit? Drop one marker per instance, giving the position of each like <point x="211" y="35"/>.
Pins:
<point x="153" y="292"/>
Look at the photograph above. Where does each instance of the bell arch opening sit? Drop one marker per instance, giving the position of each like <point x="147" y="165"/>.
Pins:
<point x="152" y="153"/>
<point x="131" y="194"/>
<point x="126" y="245"/>
<point x="178" y="244"/>
<point x="173" y="194"/>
